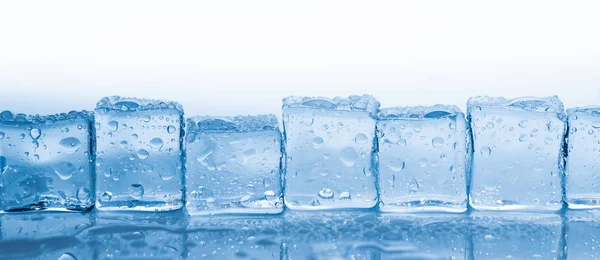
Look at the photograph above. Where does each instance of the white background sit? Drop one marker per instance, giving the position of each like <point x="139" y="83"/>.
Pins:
<point x="242" y="57"/>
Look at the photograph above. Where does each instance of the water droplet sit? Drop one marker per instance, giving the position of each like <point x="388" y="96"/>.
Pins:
<point x="402" y="142"/>
<point x="307" y="120"/>
<point x="266" y="182"/>
<point x="396" y="165"/>
<point x="142" y="154"/>
<point x="523" y="123"/>
<point x="345" y="196"/>
<point x="317" y="141"/>
<point x="326" y="193"/>
<point x="167" y="174"/>
<point x="3" y="164"/>
<point x="523" y="138"/>
<point x="156" y="143"/>
<point x="113" y="125"/>
<point x="35" y="133"/>
<point x="437" y="142"/>
<point x="485" y="151"/>
<point x="423" y="162"/>
<point x="136" y="191"/>
<point x="250" y="189"/>
<point x="107" y="196"/>
<point x="596" y="124"/>
<point x="67" y="256"/>
<point x="248" y="154"/>
<point x="2" y="135"/>
<point x="489" y="237"/>
<point x="348" y="156"/>
<point x="70" y="145"/>
<point x="269" y="193"/>
<point x="22" y="136"/>
<point x="83" y="194"/>
<point x="452" y="126"/>
<point x="171" y="129"/>
<point x="64" y="170"/>
<point x="489" y="125"/>
<point x="361" y="139"/>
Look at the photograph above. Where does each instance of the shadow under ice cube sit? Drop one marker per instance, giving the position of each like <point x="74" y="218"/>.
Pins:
<point x="422" y="159"/>
<point x="518" y="153"/>
<point x="233" y="165"/>
<point x="139" y="154"/>
<point x="582" y="183"/>
<point x="330" y="146"/>
<point x="45" y="162"/>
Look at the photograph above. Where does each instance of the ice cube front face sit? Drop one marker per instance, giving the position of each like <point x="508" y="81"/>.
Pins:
<point x="583" y="162"/>
<point x="518" y="156"/>
<point x="422" y="159"/>
<point x="330" y="146"/>
<point x="139" y="155"/>
<point x="45" y="162"/>
<point x="233" y="165"/>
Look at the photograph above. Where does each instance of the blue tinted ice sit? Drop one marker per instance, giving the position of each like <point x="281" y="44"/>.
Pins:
<point x="45" y="161"/>
<point x="518" y="153"/>
<point x="422" y="159"/>
<point x="233" y="165"/>
<point x="330" y="145"/>
<point x="139" y="155"/>
<point x="583" y="162"/>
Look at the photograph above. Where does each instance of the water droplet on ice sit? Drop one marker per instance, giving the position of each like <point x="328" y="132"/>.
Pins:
<point x="596" y="124"/>
<point x="35" y="133"/>
<point x="437" y="142"/>
<point x="396" y="165"/>
<point x="326" y="193"/>
<point x="64" y="170"/>
<point x="67" y="256"/>
<point x="361" y="139"/>
<point x="136" y="191"/>
<point x="156" y="143"/>
<point x="113" y="125"/>
<point x="317" y="141"/>
<point x="345" y="196"/>
<point x="348" y="156"/>
<point x="107" y="196"/>
<point x="523" y="123"/>
<point x="171" y="129"/>
<point x="70" y="145"/>
<point x="83" y="194"/>
<point x="142" y="154"/>
<point x="485" y="151"/>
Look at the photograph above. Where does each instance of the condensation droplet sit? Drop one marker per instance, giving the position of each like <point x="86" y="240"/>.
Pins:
<point x="70" y="145"/>
<point x="156" y="143"/>
<point x="113" y="125"/>
<point x="326" y="193"/>
<point x="64" y="170"/>
<point x="136" y="191"/>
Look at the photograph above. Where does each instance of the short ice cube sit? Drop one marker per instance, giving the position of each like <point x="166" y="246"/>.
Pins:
<point x="233" y="165"/>
<point x="46" y="162"/>
<point x="139" y="154"/>
<point x="518" y="156"/>
<point x="423" y="159"/>
<point x="330" y="152"/>
<point x="583" y="162"/>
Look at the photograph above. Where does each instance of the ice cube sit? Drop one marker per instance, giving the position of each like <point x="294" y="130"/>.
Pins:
<point x="330" y="146"/>
<point x="139" y="154"/>
<point x="518" y="157"/>
<point x="45" y="161"/>
<point x="233" y="165"/>
<point x="422" y="159"/>
<point x="582" y="178"/>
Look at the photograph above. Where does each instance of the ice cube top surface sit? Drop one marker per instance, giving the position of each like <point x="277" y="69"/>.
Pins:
<point x="9" y="118"/>
<point x="540" y="104"/>
<point x="136" y="104"/>
<point x="232" y="124"/>
<point x="365" y="103"/>
<point x="419" y="112"/>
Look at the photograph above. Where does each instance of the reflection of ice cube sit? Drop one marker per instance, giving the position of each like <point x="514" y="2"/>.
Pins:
<point x="139" y="235"/>
<point x="45" y="162"/>
<point x="139" y="155"/>
<point x="422" y="159"/>
<point x="44" y="235"/>
<point x="228" y="237"/>
<point x="583" y="235"/>
<point x="234" y="165"/>
<point x="518" y="153"/>
<point x="517" y="236"/>
<point x="330" y="152"/>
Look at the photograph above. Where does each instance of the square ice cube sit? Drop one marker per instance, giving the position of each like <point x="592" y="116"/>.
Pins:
<point x="330" y="146"/>
<point x="422" y="159"/>
<point x="139" y="154"/>
<point x="583" y="163"/>
<point x="518" y="157"/>
<point x="233" y="165"/>
<point x="45" y="161"/>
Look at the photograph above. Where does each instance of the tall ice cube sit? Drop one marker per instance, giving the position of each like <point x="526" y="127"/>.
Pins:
<point x="583" y="162"/>
<point x="423" y="154"/>
<point x="330" y="152"/>
<point x="233" y="165"/>
<point x="518" y="156"/>
<point x="45" y="162"/>
<point x="139" y="154"/>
